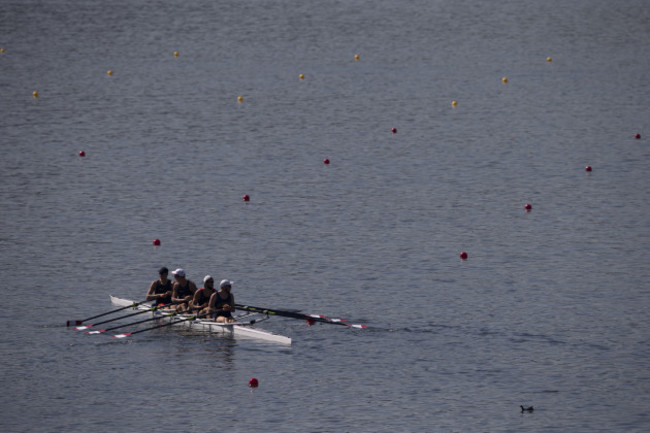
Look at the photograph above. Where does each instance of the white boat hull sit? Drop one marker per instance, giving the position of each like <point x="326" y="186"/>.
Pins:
<point x="234" y="330"/>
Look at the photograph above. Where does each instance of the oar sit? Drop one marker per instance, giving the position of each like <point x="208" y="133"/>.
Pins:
<point x="148" y="310"/>
<point x="101" y="331"/>
<point x="173" y="322"/>
<point x="335" y="321"/>
<point x="309" y="317"/>
<point x="79" y="322"/>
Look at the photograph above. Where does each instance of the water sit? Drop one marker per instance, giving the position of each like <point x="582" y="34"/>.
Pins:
<point x="549" y="310"/>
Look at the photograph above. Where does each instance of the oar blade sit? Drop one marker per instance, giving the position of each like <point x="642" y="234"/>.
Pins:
<point x="121" y="335"/>
<point x="343" y="322"/>
<point x="100" y="331"/>
<point x="83" y="327"/>
<point x="311" y="318"/>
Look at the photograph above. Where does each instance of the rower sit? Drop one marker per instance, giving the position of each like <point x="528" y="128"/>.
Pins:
<point x="160" y="290"/>
<point x="222" y="303"/>
<point x="182" y="292"/>
<point x="200" y="304"/>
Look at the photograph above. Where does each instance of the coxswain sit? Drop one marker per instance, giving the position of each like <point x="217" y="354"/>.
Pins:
<point x="222" y="303"/>
<point x="182" y="292"/>
<point x="200" y="304"/>
<point x="160" y="290"/>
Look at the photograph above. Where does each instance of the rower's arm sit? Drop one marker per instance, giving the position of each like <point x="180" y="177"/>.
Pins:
<point x="212" y="303"/>
<point x="175" y="300"/>
<point x="195" y="300"/>
<point x="151" y="296"/>
<point x="193" y="290"/>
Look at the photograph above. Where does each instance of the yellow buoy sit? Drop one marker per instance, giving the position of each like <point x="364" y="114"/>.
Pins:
<point x="504" y="79"/>
<point x="301" y="76"/>
<point x="356" y="57"/>
<point x="175" y="53"/>
<point x="35" y="94"/>
<point x="549" y="59"/>
<point x="454" y="103"/>
<point x="240" y="99"/>
<point x="109" y="72"/>
<point x="2" y="50"/>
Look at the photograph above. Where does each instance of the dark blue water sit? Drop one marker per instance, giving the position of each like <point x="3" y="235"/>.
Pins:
<point x="550" y="309"/>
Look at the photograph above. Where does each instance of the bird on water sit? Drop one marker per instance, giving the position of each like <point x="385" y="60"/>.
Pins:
<point x="526" y="409"/>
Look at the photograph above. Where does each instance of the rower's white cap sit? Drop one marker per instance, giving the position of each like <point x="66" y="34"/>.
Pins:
<point x="225" y="283"/>
<point x="179" y="272"/>
<point x="207" y="277"/>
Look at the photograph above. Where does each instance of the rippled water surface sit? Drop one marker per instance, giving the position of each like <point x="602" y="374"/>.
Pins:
<point x="549" y="310"/>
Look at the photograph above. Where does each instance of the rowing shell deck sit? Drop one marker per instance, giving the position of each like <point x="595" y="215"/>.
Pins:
<point x="234" y="330"/>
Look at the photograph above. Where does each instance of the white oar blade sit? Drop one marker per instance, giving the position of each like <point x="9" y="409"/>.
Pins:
<point x="82" y="328"/>
<point x="95" y="332"/>
<point x="324" y="317"/>
<point x="121" y="335"/>
<point x="338" y="321"/>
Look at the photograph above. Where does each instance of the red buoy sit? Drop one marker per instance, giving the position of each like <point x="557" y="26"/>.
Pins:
<point x="326" y="161"/>
<point x="82" y="153"/>
<point x="528" y="206"/>
<point x="156" y="242"/>
<point x="394" y="130"/>
<point x="246" y="197"/>
<point x="253" y="383"/>
<point x="463" y="255"/>
<point x="311" y="322"/>
<point x="588" y="168"/>
<point x="637" y="136"/>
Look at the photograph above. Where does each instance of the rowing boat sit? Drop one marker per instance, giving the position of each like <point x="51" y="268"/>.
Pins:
<point x="242" y="329"/>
